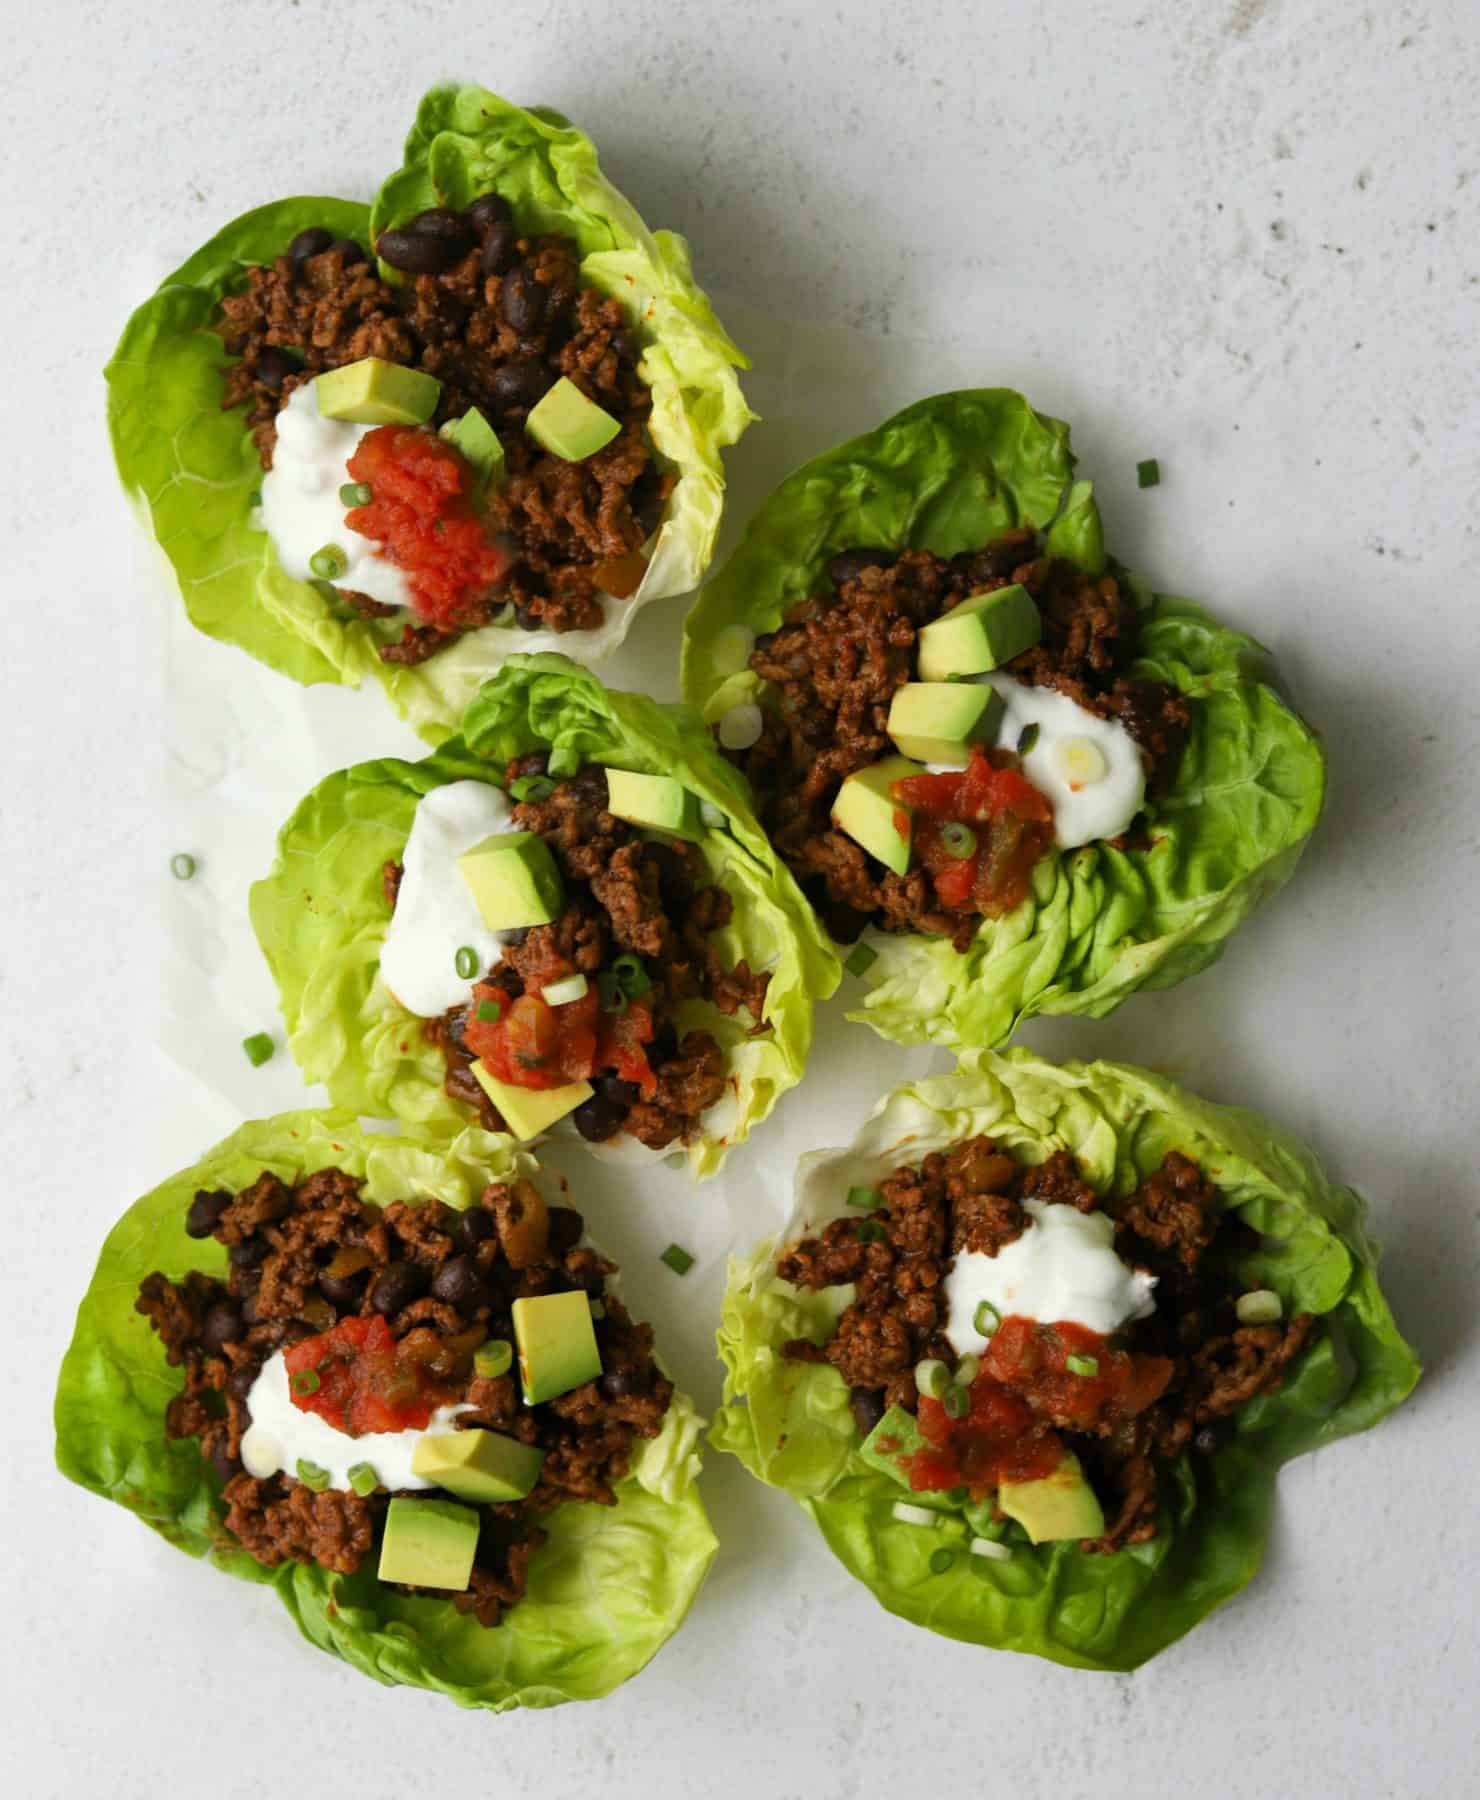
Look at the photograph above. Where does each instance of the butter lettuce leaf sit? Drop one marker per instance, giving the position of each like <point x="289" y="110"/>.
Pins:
<point x="605" y="1593"/>
<point x="1100" y="922"/>
<point x="320" y="915"/>
<point x="792" y="1426"/>
<point x="192" y="470"/>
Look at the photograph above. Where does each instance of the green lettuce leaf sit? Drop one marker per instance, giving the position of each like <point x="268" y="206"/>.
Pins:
<point x="791" y="1424"/>
<point x="947" y="474"/>
<point x="320" y="914"/>
<point x="605" y="1593"/>
<point x="192" y="469"/>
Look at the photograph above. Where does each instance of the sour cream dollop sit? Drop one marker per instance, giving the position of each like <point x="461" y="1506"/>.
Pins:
<point x="1089" y="769"/>
<point x="1063" y="1268"/>
<point x="436" y="914"/>
<point x="301" y="508"/>
<point x="282" y="1435"/>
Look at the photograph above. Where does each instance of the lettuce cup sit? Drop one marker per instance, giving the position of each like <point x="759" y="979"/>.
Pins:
<point x="1018" y="780"/>
<point x="567" y="920"/>
<point x="1032" y="1348"/>
<point x="483" y="415"/>
<point x="391" y="1378"/>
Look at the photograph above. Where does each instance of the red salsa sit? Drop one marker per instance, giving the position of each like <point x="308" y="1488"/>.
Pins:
<point x="422" y="514"/>
<point x="1010" y="825"/>
<point x="359" y="1378"/>
<point x="532" y="1044"/>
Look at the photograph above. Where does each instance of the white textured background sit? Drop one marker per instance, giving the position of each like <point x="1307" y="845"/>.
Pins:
<point x="1239" y="235"/>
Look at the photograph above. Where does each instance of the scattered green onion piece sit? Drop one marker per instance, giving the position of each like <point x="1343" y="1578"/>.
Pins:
<point x="532" y="787"/>
<point x="305" y="1381"/>
<point x="355" y="493"/>
<point x="329" y="561"/>
<point x="956" y="1401"/>
<point x="312" y="1476"/>
<point x="563" y="761"/>
<point x="1148" y="473"/>
<point x="957" y="840"/>
<point x="913" y="1515"/>
<point x="861" y="959"/>
<point x="870" y="1231"/>
<point x="182" y="867"/>
<point x="259" y="1048"/>
<point x="629" y="971"/>
<point x="466" y="962"/>
<point x="363" y="1479"/>
<point x="968" y="1369"/>
<point x="981" y="1546"/>
<point x="1082" y="1365"/>
<point x="677" y="1259"/>
<point x="1261" y="1307"/>
<point x="613" y="998"/>
<point x="941" y="1560"/>
<point x="986" y="1319"/>
<point x="932" y="1377"/>
<point x="864" y="1198"/>
<point x="488" y="1012"/>
<point x="1027" y="737"/>
<point x="493" y="1359"/>
<point x="562" y="992"/>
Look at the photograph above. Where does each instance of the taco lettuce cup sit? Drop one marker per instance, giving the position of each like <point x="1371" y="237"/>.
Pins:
<point x="567" y="919"/>
<point x="531" y="388"/>
<point x="1031" y="1350"/>
<point x="303" y="1359"/>
<point x="1018" y="779"/>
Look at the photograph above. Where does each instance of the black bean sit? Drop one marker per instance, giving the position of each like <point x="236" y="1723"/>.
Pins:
<point x="351" y="253"/>
<point x="612" y="1087"/>
<point x="309" y="243"/>
<point x="487" y="211"/>
<point x="624" y="1381"/>
<point x="224" y="1463"/>
<point x="221" y="1326"/>
<point x="397" y="1285"/>
<point x="868" y="1407"/>
<point x="851" y="563"/>
<point x="566" y="1226"/>
<point x="674" y="883"/>
<point x="457" y="1284"/>
<point x="417" y="252"/>
<point x="527" y="619"/>
<point x="522" y="300"/>
<point x="500" y="249"/>
<point x="249" y="1254"/>
<point x="443" y="222"/>
<point x="664" y="1046"/>
<point x="240" y="1381"/>
<point x="1208" y="1441"/>
<point x="598" y="1118"/>
<point x="520" y="383"/>
<point x="456" y="1023"/>
<point x="476" y="1227"/>
<point x="625" y="345"/>
<point x="205" y="1211"/>
<point x="274" y="366"/>
<point x="251" y="1313"/>
<point x="344" y="1291"/>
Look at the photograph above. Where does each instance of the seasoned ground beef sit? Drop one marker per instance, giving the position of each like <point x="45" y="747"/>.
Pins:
<point x="834" y="666"/>
<point x="969" y="1198"/>
<point x="497" y="318"/>
<point x="623" y="894"/>
<point x="302" y="1258"/>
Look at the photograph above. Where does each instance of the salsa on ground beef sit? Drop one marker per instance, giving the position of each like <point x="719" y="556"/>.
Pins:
<point x="401" y="1297"/>
<point x="1164" y="1383"/>
<point x="834" y="666"/>
<point x="497" y="317"/>
<point x="631" y="904"/>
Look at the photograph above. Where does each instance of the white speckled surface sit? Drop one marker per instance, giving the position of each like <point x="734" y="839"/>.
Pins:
<point x="1242" y="236"/>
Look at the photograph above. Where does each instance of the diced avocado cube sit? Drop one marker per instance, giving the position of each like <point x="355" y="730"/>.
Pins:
<point x="569" y="425"/>
<point x="514" y="879"/>
<point x="938" y="722"/>
<point x="872" y="817"/>
<point x="979" y="634"/>
<point x="476" y="439"/>
<point x="557" y="1344"/>
<point x="478" y="1465"/>
<point x="1061" y="1505"/>
<point x="659" y="802"/>
<point x="891" y="1443"/>
<point x="373" y="392"/>
<point x="428" y="1543"/>
<point x="529" y="1111"/>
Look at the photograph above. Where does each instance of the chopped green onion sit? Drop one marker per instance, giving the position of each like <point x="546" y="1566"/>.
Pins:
<point x="1148" y="473"/>
<point x="932" y="1377"/>
<point x="941" y="1560"/>
<point x="531" y="787"/>
<point x="305" y="1381"/>
<point x="259" y="1048"/>
<point x="493" y="1359"/>
<point x="956" y="1401"/>
<point x="562" y="992"/>
<point x="1261" y="1307"/>
<point x="563" y="761"/>
<point x="363" y="1479"/>
<point x="913" y="1515"/>
<point x="957" y="840"/>
<point x="182" y="867"/>
<point x="870" y="1231"/>
<point x="466" y="962"/>
<point x="613" y="996"/>
<point x="1082" y="1365"/>
<point x="994" y="1552"/>
<point x="488" y="1012"/>
<point x="312" y="1476"/>
<point x="329" y="561"/>
<point x="986" y="1319"/>
<point x="861" y="959"/>
<point x="968" y="1369"/>
<point x="1027" y="737"/>
<point x="629" y="971"/>
<point x="355" y="493"/>
<point x="865" y="1199"/>
<point x="677" y="1259"/>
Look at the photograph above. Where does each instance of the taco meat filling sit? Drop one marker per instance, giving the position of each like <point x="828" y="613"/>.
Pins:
<point x="384" y="1315"/>
<point x="1126" y="1403"/>
<point x="834" y="669"/>
<point x="636" y="923"/>
<point x="497" y="318"/>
